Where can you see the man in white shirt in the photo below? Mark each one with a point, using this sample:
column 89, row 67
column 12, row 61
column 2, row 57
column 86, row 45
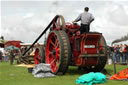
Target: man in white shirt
column 86, row 18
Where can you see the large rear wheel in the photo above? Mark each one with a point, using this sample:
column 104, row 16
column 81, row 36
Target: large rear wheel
column 101, row 60
column 58, row 51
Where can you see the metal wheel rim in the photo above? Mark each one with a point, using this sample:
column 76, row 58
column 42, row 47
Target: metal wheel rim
column 53, row 47
column 38, row 56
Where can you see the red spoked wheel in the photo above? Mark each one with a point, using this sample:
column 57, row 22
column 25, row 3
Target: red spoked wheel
column 39, row 56
column 59, row 23
column 58, row 51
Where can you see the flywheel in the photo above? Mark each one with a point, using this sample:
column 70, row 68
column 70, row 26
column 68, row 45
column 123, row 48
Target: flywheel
column 59, row 23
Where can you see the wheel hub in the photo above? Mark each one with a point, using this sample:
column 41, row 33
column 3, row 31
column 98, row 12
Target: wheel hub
column 54, row 52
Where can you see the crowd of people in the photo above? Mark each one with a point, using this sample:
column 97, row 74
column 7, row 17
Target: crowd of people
column 7, row 55
column 119, row 54
column 4, row 55
column 12, row 53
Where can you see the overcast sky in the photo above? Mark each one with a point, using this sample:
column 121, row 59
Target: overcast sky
column 25, row 20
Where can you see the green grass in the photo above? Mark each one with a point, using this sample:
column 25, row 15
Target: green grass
column 13, row 75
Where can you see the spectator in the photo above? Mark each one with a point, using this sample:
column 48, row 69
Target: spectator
column 1, row 56
column 124, row 55
column 117, row 54
column 121, row 51
column 6, row 55
column 12, row 55
column 114, row 53
column 110, row 49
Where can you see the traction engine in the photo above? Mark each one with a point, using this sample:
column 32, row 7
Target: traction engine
column 65, row 46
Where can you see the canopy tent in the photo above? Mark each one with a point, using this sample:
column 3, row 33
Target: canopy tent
column 9, row 47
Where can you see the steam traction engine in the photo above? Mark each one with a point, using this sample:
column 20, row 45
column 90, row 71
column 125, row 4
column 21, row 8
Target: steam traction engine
column 65, row 46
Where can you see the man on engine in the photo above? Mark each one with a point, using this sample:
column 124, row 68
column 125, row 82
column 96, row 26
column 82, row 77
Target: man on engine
column 86, row 18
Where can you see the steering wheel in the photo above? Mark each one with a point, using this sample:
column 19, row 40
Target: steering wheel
column 75, row 23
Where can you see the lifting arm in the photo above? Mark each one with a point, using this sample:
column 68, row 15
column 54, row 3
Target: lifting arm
column 41, row 34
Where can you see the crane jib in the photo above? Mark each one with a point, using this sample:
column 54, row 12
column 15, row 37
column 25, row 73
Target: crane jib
column 41, row 35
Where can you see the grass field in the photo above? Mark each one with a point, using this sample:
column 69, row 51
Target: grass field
column 14, row 75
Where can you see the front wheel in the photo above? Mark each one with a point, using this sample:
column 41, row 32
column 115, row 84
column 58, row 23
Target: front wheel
column 58, row 51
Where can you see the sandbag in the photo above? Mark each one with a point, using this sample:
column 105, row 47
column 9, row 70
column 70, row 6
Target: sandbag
column 42, row 71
